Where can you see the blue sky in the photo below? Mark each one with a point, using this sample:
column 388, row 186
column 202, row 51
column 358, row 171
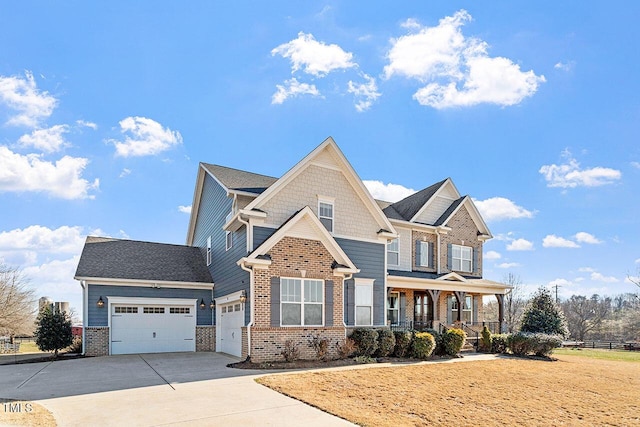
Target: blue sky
column 532, row 109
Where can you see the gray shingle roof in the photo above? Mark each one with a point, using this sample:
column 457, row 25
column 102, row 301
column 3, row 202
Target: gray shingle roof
column 235, row 179
column 408, row 207
column 130, row 259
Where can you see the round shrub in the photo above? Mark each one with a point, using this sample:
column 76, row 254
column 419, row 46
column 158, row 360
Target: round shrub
column 453, row 340
column 521, row 343
column 499, row 343
column 423, row 345
column 366, row 341
column 386, row 343
column 403, row 343
column 545, row 343
column 439, row 350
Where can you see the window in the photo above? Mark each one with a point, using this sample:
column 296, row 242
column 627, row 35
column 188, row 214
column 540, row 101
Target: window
column 422, row 257
column 229, row 240
column 364, row 303
column 302, row 302
column 209, row 250
column 179, row 310
column 393, row 254
column 461, row 258
column 153, row 310
column 129, row 310
column 393, row 308
column 325, row 214
column 467, row 310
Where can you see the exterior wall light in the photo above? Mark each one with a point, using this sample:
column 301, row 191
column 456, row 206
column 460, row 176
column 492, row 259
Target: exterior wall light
column 100, row 303
column 212, row 305
column 243, row 296
column 202, row 304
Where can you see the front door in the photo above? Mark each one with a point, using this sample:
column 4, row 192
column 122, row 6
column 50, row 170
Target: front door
column 421, row 315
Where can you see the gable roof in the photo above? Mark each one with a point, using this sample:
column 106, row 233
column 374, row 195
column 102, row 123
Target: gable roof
column 239, row 180
column 107, row 258
column 304, row 224
column 473, row 212
column 450, row 210
column 409, row 207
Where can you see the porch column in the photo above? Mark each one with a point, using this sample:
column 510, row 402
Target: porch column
column 460, row 296
column 500, row 298
column 435, row 297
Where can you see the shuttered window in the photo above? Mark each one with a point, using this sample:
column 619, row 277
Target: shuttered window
column 393, row 254
column 301, row 302
column 461, row 258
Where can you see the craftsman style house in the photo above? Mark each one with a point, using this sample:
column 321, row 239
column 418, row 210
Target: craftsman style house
column 269, row 260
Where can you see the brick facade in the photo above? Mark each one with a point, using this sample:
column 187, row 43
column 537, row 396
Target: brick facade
column 464, row 232
column 294, row 257
column 417, row 236
column 96, row 341
column 205, row 338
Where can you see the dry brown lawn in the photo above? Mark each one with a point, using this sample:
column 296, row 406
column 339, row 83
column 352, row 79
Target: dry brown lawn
column 571, row 391
column 20, row 413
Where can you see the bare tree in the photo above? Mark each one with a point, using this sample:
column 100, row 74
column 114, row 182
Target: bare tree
column 17, row 302
column 585, row 315
column 514, row 302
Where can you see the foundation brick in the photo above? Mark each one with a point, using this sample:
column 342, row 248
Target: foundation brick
column 96, row 341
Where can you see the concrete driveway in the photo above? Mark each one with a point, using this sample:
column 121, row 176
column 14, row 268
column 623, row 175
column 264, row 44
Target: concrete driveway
column 155, row 389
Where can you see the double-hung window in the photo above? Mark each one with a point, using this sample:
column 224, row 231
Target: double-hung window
column 364, row 302
column 209, row 250
column 393, row 252
column 422, row 257
column 461, row 258
column 301, row 302
column 229, row 240
column 325, row 214
column 393, row 308
column 467, row 309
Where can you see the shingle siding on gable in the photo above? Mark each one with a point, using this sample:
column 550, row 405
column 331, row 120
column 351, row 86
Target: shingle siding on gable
column 435, row 209
column 212, row 212
column 404, row 245
column 99, row 316
column 352, row 218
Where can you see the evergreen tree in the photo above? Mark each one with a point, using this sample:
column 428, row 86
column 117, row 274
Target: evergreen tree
column 53, row 331
column 542, row 315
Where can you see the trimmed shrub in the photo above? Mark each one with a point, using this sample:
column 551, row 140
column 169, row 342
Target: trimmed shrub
column 545, row 343
column 423, row 345
column 499, row 343
column 520, row 343
column 76, row 346
column 345, row 348
column 320, row 346
column 453, row 340
column 386, row 343
column 290, row 352
column 403, row 343
column 437, row 336
column 366, row 341
column 485, row 342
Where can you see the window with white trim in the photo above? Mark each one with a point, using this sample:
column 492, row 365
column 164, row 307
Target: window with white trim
column 467, row 309
column 393, row 252
column 423, row 256
column 209, row 250
column 325, row 214
column 393, row 308
column 364, row 303
column 229, row 240
column 461, row 258
column 301, row 302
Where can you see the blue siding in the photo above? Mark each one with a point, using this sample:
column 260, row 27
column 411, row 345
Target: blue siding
column 260, row 234
column 369, row 258
column 100, row 316
column 212, row 212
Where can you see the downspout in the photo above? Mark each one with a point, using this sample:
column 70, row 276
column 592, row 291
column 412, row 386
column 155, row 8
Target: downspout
column 85, row 315
column 249, row 233
column 344, row 279
column 438, row 251
column 250, row 271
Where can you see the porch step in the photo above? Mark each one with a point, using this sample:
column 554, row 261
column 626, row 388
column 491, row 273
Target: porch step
column 468, row 348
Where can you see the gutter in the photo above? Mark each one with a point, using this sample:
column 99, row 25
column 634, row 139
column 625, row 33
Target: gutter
column 252, row 303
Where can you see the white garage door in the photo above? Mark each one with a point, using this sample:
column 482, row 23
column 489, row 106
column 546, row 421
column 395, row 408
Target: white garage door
column 231, row 322
column 152, row 328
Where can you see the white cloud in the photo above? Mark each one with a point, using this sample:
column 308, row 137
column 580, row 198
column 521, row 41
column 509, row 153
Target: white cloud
column 145, row 137
column 457, row 71
column 411, row 24
column 83, row 123
column 599, row 277
column 23, row 97
column 55, row 279
column 565, row 66
column 570, row 175
column 586, row 270
column 63, row 239
column 635, row 165
column 499, row 208
column 125, row 172
column 508, row 265
column 365, row 93
column 638, row 261
column 583, row 237
column 185, row 209
column 492, row 255
column 292, row 88
column 314, row 57
column 48, row 140
column 553, row 241
column 387, row 192
column 61, row 179
column 520, row 245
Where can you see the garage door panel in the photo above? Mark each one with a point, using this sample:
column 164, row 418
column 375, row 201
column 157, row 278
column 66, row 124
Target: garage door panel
column 231, row 323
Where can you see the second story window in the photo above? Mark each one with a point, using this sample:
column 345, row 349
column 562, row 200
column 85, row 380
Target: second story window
column 461, row 258
column 422, row 255
column 325, row 214
column 209, row 250
column 229, row 240
column 393, row 252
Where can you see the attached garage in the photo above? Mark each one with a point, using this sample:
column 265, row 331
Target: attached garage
column 142, row 325
column 230, row 322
